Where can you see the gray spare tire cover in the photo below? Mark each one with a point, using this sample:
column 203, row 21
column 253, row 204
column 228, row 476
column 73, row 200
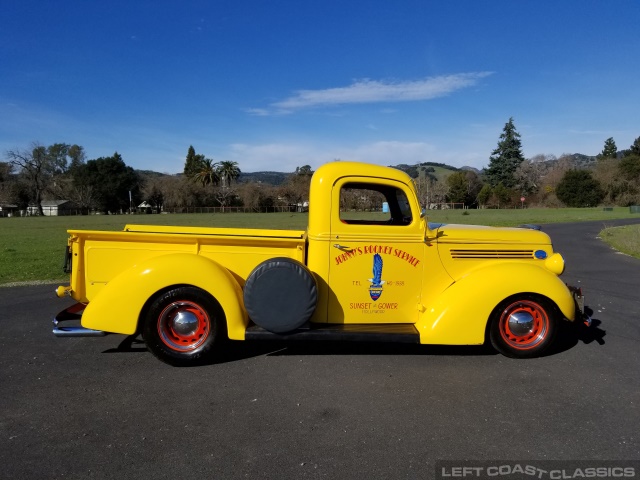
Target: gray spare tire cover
column 280, row 295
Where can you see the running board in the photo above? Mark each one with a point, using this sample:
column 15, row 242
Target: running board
column 73, row 313
column 389, row 332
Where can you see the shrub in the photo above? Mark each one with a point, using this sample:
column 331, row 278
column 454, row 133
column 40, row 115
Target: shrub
column 579, row 189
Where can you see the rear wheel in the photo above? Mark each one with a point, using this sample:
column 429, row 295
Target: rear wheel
column 182, row 325
column 523, row 327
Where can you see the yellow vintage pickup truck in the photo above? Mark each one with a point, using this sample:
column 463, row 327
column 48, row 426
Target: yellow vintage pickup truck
column 352, row 275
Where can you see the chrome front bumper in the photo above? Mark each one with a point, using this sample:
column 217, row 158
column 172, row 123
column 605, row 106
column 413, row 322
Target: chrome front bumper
column 578, row 297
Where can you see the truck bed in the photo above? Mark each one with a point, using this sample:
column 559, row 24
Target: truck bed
column 98, row 256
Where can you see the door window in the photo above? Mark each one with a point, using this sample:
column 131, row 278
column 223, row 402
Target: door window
column 372, row 204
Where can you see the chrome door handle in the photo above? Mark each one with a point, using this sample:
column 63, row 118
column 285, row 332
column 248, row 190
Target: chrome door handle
column 342, row 247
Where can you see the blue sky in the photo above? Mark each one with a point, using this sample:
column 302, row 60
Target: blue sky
column 277, row 84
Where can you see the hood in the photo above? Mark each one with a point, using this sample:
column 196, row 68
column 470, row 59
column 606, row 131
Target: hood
column 464, row 248
column 482, row 235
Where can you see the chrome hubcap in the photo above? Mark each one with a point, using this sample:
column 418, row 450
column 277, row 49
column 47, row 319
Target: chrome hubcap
column 185, row 323
column 183, row 326
column 520, row 323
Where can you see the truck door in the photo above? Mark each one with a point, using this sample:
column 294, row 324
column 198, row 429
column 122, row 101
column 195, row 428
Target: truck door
column 376, row 253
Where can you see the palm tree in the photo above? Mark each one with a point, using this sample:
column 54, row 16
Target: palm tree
column 228, row 171
column 208, row 173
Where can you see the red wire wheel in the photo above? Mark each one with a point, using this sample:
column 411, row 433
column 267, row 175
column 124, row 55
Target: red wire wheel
column 523, row 328
column 183, row 326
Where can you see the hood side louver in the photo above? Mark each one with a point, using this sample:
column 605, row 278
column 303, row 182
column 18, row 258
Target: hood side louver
column 494, row 253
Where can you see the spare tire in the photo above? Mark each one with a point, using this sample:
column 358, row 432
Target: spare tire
column 280, row 295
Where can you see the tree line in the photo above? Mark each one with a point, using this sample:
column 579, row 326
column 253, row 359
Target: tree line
column 61, row 171
column 106, row 184
column 545, row 180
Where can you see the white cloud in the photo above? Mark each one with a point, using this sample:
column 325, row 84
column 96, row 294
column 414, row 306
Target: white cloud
column 277, row 157
column 393, row 153
column 375, row 91
column 257, row 112
column 601, row 133
column 285, row 157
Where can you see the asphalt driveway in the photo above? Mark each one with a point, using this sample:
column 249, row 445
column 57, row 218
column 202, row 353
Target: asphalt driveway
column 106, row 408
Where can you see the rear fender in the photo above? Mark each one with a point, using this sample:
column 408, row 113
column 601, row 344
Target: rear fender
column 117, row 307
column 459, row 315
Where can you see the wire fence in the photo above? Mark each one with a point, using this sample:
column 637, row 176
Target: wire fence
column 57, row 211
column 447, row 206
column 281, row 209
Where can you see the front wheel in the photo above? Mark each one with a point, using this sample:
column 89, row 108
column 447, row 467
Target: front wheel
column 182, row 325
column 523, row 327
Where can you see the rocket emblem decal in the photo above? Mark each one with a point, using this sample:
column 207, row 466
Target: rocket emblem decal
column 375, row 290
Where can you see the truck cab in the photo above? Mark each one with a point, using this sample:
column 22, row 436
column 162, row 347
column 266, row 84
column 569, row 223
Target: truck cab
column 372, row 265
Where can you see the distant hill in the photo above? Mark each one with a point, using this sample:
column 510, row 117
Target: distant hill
column 574, row 160
column 435, row 170
column 581, row 161
column 428, row 167
column 150, row 173
column 270, row 178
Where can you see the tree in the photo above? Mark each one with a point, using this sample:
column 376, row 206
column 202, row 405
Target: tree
column 438, row 192
column 112, row 182
column 84, row 196
column 228, row 172
column 634, row 149
column 152, row 192
column 578, row 188
column 76, row 155
column 225, row 196
column 484, row 195
column 257, row 196
column 40, row 165
column 502, row 194
column 506, row 158
column 207, row 173
column 304, row 170
column 425, row 183
column 193, row 163
column 19, row 193
column 528, row 176
column 58, row 155
column 622, row 177
column 36, row 167
column 178, row 191
column 457, row 183
column 629, row 168
column 464, row 187
column 5, row 184
column 297, row 185
column 610, row 150
column 5, row 171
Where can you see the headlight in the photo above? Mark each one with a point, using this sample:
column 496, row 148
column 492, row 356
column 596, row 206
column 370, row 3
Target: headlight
column 555, row 263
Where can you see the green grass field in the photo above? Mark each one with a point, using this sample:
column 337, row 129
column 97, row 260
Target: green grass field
column 625, row 239
column 32, row 248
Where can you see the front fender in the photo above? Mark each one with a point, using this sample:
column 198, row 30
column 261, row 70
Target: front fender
column 117, row 307
column 459, row 315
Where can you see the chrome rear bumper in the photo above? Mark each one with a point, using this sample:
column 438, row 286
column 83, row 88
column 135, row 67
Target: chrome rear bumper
column 73, row 313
